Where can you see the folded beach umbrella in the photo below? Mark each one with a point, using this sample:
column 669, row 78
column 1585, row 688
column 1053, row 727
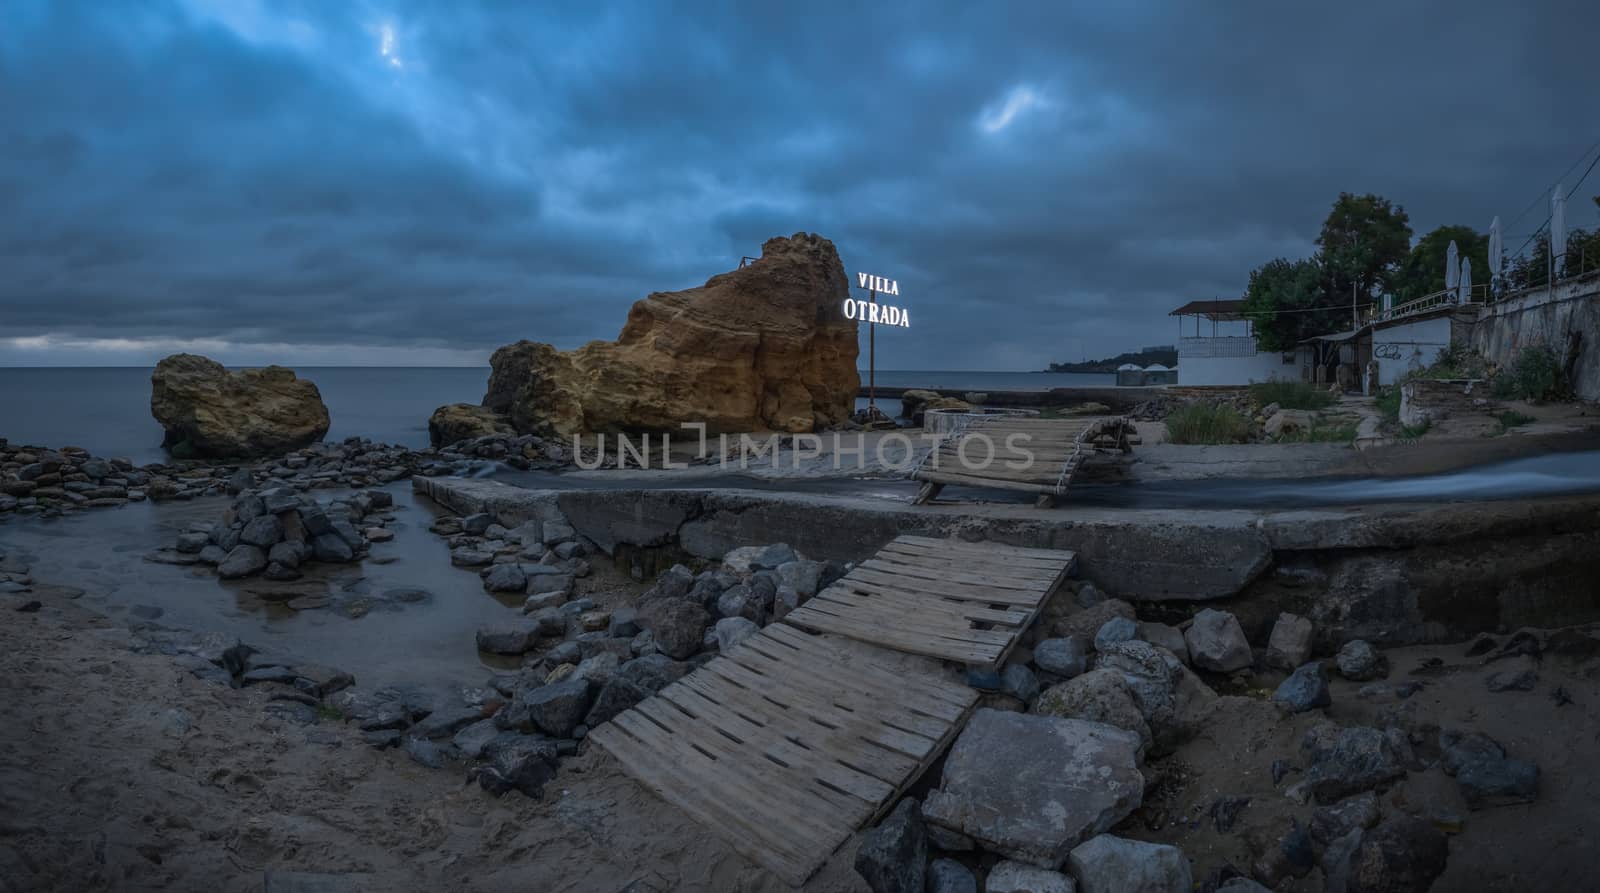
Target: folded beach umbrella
column 1558, row 229
column 1496, row 248
column 1452, row 266
column 1465, row 294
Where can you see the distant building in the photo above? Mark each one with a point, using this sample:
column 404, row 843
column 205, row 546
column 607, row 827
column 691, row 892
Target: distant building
column 1225, row 351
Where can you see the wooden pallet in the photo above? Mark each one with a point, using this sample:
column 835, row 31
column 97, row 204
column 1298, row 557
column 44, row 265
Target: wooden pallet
column 788, row 743
column 954, row 600
column 1058, row 447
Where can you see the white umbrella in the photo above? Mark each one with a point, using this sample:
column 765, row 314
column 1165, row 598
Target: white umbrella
column 1465, row 295
column 1558, row 229
column 1452, row 266
column 1495, row 249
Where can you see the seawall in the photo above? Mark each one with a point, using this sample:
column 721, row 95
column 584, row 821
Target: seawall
column 1552, row 317
column 1401, row 573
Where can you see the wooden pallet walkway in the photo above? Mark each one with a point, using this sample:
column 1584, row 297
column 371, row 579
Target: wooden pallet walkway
column 1058, row 447
column 788, row 743
column 944, row 598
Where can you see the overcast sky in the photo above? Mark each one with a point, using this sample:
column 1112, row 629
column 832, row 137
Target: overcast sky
column 397, row 183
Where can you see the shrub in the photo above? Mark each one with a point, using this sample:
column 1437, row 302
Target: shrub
column 1322, row 432
column 1535, row 375
column 1199, row 423
column 1290, row 394
column 1388, row 403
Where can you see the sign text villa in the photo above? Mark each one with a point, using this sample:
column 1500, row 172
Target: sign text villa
column 873, row 312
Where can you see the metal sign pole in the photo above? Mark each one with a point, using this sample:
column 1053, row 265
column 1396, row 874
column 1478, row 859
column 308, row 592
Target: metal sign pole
column 872, row 362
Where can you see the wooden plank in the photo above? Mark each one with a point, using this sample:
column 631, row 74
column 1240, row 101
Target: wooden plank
column 991, row 595
column 929, row 694
column 910, row 643
column 993, row 580
column 908, row 618
column 962, row 480
column 972, row 612
column 987, row 548
column 935, row 553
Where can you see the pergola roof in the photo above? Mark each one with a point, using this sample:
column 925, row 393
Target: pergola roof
column 1215, row 310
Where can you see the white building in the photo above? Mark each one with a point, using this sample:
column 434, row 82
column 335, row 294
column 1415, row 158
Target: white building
column 1224, row 352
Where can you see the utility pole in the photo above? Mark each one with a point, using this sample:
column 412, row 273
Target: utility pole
column 872, row 361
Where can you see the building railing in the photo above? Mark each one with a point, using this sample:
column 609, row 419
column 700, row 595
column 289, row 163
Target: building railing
column 1476, row 294
column 1228, row 346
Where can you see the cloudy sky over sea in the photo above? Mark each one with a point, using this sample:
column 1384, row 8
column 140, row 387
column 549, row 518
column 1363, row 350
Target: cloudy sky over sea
column 399, row 183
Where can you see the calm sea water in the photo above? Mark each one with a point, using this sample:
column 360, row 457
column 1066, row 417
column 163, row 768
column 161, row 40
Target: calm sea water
column 107, row 410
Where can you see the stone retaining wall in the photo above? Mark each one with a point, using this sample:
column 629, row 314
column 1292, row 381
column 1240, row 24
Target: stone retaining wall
column 1548, row 317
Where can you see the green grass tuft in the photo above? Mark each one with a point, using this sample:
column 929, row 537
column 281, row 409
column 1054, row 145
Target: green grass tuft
column 1513, row 419
column 1201, row 424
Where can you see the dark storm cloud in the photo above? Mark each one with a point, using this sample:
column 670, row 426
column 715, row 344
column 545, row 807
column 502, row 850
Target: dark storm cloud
column 1044, row 182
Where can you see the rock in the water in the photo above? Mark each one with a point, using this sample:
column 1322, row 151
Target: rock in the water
column 1065, row 657
column 893, row 856
column 1015, row 877
column 1347, row 761
column 702, row 355
column 1402, row 854
column 515, row 637
column 1109, row 864
column 505, row 578
column 455, row 422
column 1486, row 776
column 1097, row 696
column 1360, row 662
column 1305, row 689
column 1032, row 787
column 733, row 630
column 950, row 876
column 678, row 625
column 1289, row 646
column 242, row 561
column 1217, row 643
column 207, row 410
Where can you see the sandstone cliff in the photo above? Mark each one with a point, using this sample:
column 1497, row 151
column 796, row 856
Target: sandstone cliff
column 765, row 347
column 208, row 411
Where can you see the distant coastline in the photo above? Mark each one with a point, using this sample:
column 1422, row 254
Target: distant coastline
column 1165, row 355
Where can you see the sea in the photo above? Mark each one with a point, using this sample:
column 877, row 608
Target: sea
column 106, row 410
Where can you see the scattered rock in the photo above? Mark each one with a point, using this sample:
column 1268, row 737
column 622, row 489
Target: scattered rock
column 1483, row 772
column 1358, row 661
column 1015, row 877
column 1217, row 643
column 1399, row 855
column 893, row 856
column 1512, row 680
column 678, row 626
column 1305, row 689
column 1115, row 630
column 1165, row 636
column 950, row 876
column 505, row 578
column 1345, row 761
column 733, row 630
column 512, row 637
column 242, row 561
column 1032, row 787
column 1289, row 646
column 1065, row 657
column 1099, row 696
column 1108, row 864
column 1329, row 823
column 1085, row 623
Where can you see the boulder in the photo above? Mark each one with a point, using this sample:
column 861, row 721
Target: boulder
column 505, row 578
column 516, row 637
column 207, row 410
column 1032, row 787
column 1289, row 646
column 763, row 347
column 1165, row 636
column 524, row 764
column 893, row 856
column 1109, row 864
column 1114, row 631
column 555, row 709
column 1217, row 643
column 950, row 876
column 1285, row 421
column 455, row 422
column 1172, row 699
column 1015, row 877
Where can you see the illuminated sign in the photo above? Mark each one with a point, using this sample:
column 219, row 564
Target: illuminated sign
column 877, row 314
column 877, row 284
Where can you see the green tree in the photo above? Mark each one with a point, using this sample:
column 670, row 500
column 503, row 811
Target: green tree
column 1422, row 272
column 1288, row 300
column 1364, row 241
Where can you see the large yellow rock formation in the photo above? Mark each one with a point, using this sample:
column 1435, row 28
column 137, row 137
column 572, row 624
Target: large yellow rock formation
column 762, row 348
column 207, row 410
